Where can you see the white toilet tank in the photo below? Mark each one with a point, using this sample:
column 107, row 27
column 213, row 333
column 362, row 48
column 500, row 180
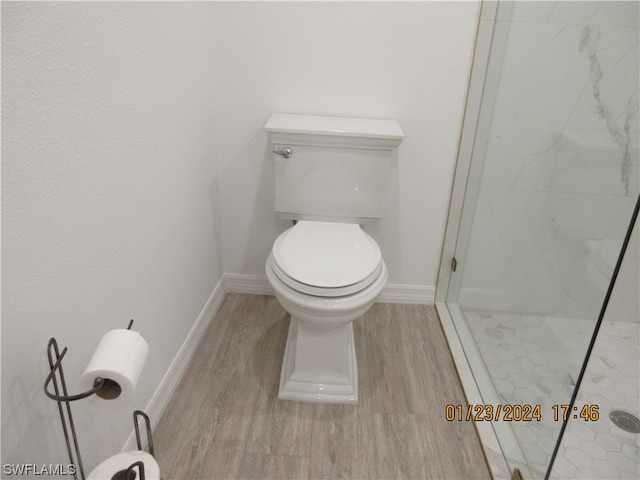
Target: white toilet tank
column 331, row 168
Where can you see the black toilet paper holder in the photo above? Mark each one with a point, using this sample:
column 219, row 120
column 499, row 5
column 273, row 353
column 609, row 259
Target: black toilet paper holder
column 61, row 396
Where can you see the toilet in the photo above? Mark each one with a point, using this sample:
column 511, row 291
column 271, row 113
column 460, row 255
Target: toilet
column 331, row 176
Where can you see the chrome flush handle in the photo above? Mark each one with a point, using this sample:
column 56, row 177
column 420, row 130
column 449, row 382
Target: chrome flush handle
column 285, row 152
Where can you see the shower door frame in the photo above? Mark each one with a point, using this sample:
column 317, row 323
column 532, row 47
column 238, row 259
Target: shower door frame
column 463, row 349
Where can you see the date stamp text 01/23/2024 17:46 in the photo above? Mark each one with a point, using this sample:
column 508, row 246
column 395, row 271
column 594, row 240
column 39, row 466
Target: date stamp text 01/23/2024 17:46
column 518, row 413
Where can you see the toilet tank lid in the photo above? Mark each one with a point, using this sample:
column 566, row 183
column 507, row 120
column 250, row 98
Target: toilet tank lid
column 335, row 126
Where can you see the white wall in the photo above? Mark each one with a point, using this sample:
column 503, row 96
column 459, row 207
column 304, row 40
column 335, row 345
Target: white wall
column 109, row 201
column 136, row 170
column 406, row 61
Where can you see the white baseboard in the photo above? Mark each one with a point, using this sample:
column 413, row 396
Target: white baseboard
column 414, row 294
column 156, row 406
column 392, row 293
column 250, row 284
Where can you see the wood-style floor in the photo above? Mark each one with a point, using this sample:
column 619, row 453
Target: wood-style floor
column 226, row 422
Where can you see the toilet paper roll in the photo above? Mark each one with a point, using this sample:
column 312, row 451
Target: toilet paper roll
column 118, row 359
column 115, row 467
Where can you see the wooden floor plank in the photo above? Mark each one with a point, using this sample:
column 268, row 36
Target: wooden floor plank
column 225, row 420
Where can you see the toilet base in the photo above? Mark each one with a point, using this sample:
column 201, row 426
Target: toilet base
column 319, row 364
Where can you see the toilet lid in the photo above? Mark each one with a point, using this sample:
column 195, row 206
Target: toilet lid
column 327, row 255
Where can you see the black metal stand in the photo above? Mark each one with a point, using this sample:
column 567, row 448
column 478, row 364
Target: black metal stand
column 64, row 404
column 147, row 422
column 62, row 397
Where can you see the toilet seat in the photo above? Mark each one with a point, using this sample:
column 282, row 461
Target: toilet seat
column 326, row 259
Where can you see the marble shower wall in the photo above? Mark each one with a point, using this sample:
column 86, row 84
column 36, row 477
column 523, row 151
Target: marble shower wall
column 556, row 158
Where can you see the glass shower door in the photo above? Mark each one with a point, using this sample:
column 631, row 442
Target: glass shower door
column 552, row 184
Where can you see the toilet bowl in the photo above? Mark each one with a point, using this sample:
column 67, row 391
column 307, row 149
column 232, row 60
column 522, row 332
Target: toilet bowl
column 326, row 275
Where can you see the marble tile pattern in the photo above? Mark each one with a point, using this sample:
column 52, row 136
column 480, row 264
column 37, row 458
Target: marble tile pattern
column 600, row 449
column 536, row 361
column 557, row 156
